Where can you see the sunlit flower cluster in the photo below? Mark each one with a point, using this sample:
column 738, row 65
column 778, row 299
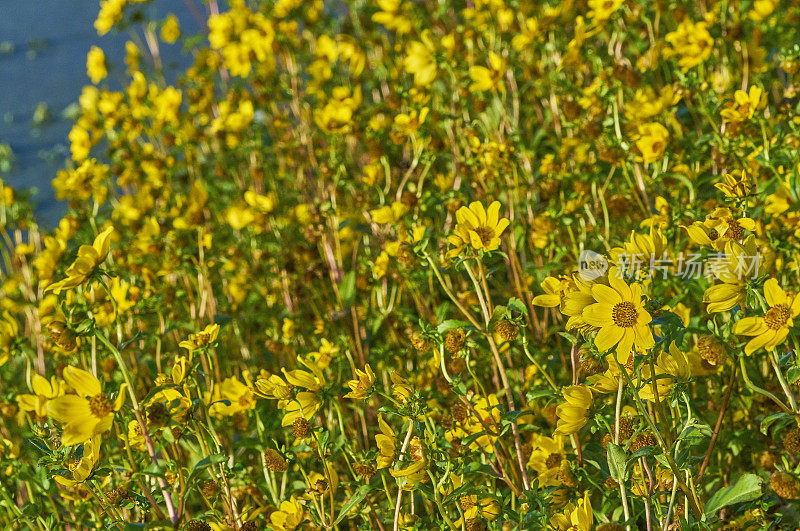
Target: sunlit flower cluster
column 414, row 265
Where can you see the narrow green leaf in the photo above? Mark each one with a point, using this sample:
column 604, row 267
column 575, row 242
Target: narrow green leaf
column 347, row 289
column 360, row 493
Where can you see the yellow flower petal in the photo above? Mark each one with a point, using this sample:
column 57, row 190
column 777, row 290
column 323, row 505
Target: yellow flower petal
column 83, row 382
column 773, row 293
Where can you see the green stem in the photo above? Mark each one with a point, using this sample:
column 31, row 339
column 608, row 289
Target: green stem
column 759, row 390
column 173, row 515
column 438, row 500
column 691, row 497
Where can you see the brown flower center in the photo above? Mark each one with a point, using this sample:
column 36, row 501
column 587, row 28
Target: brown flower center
column 246, row 400
column 624, row 314
column 466, row 503
column 777, row 316
column 735, row 231
column 100, row 405
column 553, row 460
column 484, row 234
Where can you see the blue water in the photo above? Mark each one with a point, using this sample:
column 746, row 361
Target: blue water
column 48, row 42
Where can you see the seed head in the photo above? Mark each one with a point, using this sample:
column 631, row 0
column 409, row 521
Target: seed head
column 365, row 470
column 791, row 441
column 198, row 525
column 209, row 488
column 274, row 461
column 506, row 330
column 301, row 428
column 641, row 441
column 454, row 340
column 784, row 485
column 711, row 350
column 420, row 343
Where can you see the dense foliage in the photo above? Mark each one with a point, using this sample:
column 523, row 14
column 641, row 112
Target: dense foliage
column 422, row 265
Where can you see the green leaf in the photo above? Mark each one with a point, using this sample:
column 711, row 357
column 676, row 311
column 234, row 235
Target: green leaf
column 360, row 493
column 569, row 337
column 347, row 289
column 517, row 305
column 695, row 431
column 207, row 461
column 767, row 422
column 40, row 446
column 746, row 488
column 647, row 450
column 153, row 470
column 498, row 314
column 450, row 324
column 617, row 461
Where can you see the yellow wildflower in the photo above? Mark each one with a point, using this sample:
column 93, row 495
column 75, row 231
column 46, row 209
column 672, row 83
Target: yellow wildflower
column 771, row 330
column 573, row 413
column 362, row 384
column 290, row 515
column 89, row 258
column 485, row 79
column 43, row 392
column 88, row 412
column 170, row 29
column 96, row 65
column 620, row 316
column 201, row 339
column 652, row 142
column 478, row 227
column 82, row 467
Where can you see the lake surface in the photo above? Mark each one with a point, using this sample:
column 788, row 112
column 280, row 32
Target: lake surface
column 43, row 46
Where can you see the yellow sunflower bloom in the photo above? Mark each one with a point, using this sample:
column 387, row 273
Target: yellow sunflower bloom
column 739, row 263
column 88, row 412
column 546, row 457
column 576, row 300
column 735, row 185
column 362, row 384
column 82, row 468
column 575, row 516
column 290, row 515
column 652, row 142
column 387, row 442
column 304, row 405
column 43, row 392
column 485, row 79
column 240, row 397
column 555, row 289
column 669, row 369
column 744, row 105
column 573, row 413
column 771, row 330
column 620, row 316
column 89, row 258
column 719, row 228
column 601, row 10
column 414, row 471
column 481, row 228
column 201, row 339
